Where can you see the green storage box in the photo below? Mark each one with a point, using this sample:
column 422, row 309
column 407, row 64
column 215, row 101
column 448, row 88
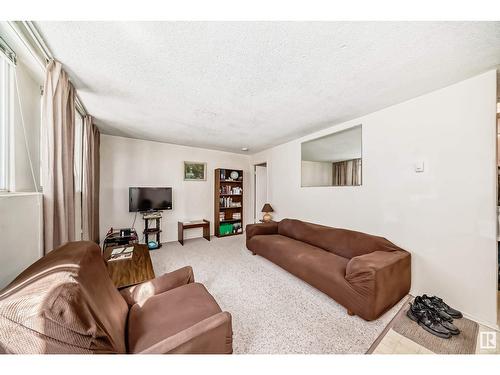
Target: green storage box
column 225, row 228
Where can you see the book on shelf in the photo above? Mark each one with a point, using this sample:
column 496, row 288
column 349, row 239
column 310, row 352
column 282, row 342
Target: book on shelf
column 227, row 202
column 228, row 190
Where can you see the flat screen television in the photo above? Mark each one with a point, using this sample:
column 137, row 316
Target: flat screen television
column 149, row 199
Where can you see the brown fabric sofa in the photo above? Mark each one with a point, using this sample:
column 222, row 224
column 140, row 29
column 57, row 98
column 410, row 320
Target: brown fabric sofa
column 364, row 273
column 66, row 303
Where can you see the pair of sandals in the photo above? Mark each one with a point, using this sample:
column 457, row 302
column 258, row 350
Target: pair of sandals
column 434, row 315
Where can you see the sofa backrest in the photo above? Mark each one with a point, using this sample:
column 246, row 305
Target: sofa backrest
column 64, row 303
column 343, row 242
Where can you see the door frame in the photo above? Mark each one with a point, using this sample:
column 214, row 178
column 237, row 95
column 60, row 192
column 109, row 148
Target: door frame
column 264, row 164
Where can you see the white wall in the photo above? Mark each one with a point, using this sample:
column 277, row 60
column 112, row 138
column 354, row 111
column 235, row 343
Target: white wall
column 445, row 216
column 21, row 229
column 129, row 162
column 316, row 173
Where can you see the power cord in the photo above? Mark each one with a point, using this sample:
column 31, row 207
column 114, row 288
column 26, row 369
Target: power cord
column 133, row 224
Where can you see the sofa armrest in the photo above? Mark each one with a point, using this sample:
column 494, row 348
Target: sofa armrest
column 141, row 292
column 262, row 228
column 384, row 277
column 212, row 335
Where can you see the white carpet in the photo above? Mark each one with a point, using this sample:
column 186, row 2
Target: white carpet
column 272, row 310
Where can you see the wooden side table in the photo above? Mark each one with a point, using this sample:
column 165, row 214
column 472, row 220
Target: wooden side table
column 128, row 272
column 205, row 224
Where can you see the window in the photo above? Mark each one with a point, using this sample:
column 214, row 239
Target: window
column 5, row 102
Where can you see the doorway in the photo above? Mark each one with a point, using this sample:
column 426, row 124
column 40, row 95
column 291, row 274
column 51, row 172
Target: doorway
column 260, row 191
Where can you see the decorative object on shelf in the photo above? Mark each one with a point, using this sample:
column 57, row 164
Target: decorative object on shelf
column 195, row 171
column 267, row 216
column 234, row 175
column 152, row 245
column 237, row 228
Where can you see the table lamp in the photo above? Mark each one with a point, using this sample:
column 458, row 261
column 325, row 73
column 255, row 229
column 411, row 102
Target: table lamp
column 267, row 216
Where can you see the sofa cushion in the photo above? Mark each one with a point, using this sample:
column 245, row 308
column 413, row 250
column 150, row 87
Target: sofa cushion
column 63, row 303
column 310, row 263
column 343, row 242
column 168, row 313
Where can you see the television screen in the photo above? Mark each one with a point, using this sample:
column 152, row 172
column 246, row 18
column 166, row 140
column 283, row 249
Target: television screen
column 149, row 198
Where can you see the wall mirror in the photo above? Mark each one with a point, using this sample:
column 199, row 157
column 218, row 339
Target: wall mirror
column 332, row 160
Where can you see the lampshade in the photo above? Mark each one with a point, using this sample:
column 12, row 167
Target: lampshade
column 267, row 208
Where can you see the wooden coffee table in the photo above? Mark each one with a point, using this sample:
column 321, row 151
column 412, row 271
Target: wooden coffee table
column 128, row 272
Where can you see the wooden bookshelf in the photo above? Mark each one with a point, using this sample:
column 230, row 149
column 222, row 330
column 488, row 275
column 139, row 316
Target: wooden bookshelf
column 228, row 201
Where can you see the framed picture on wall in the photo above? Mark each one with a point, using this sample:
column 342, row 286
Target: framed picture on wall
column 195, row 171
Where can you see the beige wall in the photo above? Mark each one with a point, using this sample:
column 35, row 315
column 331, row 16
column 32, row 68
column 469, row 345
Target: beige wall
column 129, row 162
column 446, row 216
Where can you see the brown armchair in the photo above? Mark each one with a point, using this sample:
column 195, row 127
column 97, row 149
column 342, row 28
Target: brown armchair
column 66, row 303
column 141, row 292
column 205, row 328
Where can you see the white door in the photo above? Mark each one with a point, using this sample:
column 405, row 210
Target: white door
column 260, row 190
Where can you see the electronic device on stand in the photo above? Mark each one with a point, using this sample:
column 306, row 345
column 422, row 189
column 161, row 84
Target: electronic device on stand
column 152, row 227
column 125, row 236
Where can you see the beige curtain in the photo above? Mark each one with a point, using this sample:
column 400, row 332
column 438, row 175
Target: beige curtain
column 339, row 173
column 90, row 186
column 58, row 128
column 356, row 172
column 347, row 172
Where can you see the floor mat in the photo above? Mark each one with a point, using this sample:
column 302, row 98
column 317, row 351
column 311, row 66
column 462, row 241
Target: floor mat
column 463, row 343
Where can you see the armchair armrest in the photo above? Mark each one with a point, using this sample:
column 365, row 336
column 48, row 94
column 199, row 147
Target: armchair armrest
column 212, row 335
column 141, row 292
column 263, row 228
column 384, row 277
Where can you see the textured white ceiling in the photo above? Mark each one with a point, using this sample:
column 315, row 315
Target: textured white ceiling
column 343, row 145
column 227, row 85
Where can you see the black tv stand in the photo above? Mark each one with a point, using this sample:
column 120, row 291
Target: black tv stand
column 152, row 230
